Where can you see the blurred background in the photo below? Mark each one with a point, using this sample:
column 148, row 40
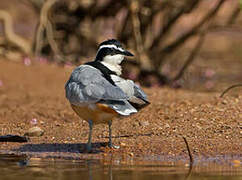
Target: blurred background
column 190, row 44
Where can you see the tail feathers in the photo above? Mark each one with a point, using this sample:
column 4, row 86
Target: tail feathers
column 122, row 107
column 139, row 106
column 138, row 102
column 140, row 94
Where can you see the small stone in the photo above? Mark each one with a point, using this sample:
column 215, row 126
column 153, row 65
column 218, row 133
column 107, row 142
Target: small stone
column 144, row 123
column 34, row 131
column 167, row 125
column 122, row 144
column 224, row 102
column 57, row 124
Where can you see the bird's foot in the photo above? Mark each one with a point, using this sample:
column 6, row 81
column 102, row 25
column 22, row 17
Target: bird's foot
column 113, row 146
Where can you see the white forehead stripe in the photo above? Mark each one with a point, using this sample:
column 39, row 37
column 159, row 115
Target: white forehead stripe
column 111, row 46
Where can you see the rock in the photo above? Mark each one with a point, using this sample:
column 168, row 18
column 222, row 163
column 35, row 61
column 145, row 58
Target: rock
column 34, row 131
column 122, row 144
column 13, row 138
column 167, row 125
column 144, row 123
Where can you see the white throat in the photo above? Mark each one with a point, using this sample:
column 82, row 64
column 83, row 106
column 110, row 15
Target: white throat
column 113, row 63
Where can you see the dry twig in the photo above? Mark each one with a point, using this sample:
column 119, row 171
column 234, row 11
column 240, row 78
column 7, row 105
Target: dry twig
column 142, row 56
column 229, row 88
column 45, row 25
column 11, row 36
column 191, row 57
column 189, row 151
column 182, row 39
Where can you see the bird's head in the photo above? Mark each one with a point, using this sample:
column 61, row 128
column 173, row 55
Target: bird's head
column 111, row 52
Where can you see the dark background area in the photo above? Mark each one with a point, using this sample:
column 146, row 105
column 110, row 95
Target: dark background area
column 193, row 44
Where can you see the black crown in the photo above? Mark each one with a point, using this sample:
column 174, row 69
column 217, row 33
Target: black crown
column 111, row 41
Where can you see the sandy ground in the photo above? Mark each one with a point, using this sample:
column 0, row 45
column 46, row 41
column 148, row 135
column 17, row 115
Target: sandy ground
column 212, row 125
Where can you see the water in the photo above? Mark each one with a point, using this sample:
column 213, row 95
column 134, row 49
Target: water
column 23, row 167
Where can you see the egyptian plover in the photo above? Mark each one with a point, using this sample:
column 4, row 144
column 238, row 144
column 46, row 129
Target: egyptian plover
column 97, row 93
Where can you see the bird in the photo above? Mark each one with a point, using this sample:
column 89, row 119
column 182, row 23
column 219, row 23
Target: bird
column 97, row 93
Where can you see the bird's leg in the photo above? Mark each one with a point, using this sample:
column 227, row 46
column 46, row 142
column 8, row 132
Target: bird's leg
column 110, row 136
column 89, row 143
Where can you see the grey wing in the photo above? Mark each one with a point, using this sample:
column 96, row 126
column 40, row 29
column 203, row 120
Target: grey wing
column 87, row 84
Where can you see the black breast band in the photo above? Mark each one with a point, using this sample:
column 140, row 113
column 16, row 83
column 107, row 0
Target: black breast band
column 105, row 71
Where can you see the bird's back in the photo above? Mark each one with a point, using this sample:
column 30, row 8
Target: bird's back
column 90, row 92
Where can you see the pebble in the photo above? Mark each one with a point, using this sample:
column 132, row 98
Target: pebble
column 224, row 102
column 167, row 125
column 34, row 131
column 122, row 144
column 144, row 123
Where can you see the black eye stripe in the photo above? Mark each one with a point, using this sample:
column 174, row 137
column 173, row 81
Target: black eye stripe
column 107, row 51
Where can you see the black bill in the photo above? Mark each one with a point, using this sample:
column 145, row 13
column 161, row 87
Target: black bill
column 127, row 53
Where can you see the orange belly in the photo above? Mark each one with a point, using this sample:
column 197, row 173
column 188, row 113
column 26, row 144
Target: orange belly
column 98, row 113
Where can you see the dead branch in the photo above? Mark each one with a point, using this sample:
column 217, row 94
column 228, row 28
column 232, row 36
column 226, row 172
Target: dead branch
column 234, row 16
column 189, row 151
column 45, row 26
column 107, row 10
column 194, row 52
column 142, row 56
column 11, row 36
column 173, row 19
column 119, row 28
column 229, row 88
column 191, row 57
column 182, row 39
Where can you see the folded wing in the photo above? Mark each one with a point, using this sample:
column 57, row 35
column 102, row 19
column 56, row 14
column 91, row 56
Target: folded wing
column 136, row 96
column 87, row 85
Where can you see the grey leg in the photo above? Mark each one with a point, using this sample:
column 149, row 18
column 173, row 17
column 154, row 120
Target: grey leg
column 110, row 144
column 89, row 143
